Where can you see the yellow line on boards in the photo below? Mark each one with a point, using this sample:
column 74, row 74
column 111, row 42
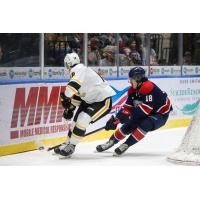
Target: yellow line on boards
column 100, row 135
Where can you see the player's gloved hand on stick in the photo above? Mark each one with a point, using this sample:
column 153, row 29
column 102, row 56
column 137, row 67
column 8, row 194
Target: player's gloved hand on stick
column 66, row 102
column 68, row 114
column 112, row 123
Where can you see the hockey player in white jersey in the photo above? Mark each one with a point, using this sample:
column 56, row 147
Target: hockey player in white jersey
column 90, row 93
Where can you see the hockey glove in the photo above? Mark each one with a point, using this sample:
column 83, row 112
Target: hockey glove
column 123, row 115
column 112, row 123
column 68, row 114
column 66, row 102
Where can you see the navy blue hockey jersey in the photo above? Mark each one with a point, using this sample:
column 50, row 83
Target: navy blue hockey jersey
column 148, row 100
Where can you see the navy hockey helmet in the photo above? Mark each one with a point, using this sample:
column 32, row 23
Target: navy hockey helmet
column 137, row 74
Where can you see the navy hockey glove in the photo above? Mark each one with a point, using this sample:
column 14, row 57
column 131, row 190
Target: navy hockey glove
column 111, row 124
column 68, row 114
column 123, row 115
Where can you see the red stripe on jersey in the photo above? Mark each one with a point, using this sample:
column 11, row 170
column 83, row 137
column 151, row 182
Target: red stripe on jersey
column 119, row 135
column 166, row 108
column 138, row 134
column 145, row 108
column 127, row 106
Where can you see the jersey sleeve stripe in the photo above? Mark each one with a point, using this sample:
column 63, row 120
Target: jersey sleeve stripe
column 75, row 85
column 145, row 108
column 73, row 90
column 138, row 134
column 127, row 105
column 165, row 108
column 76, row 80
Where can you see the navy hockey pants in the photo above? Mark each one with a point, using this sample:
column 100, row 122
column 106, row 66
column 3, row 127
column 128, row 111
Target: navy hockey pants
column 137, row 131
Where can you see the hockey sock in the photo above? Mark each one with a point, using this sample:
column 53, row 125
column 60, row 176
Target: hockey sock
column 117, row 136
column 135, row 137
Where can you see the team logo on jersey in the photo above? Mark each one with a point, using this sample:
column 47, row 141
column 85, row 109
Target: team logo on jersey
column 72, row 74
column 136, row 103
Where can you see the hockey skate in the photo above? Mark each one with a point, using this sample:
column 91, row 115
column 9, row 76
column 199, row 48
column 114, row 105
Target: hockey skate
column 57, row 149
column 107, row 145
column 67, row 151
column 121, row 149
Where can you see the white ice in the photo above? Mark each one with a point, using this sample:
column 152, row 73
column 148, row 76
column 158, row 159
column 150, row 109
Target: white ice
column 151, row 151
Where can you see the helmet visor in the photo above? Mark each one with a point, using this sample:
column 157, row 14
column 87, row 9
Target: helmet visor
column 137, row 77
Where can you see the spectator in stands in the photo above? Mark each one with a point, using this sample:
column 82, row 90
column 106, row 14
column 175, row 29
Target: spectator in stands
column 97, row 44
column 93, row 52
column 111, row 38
column 125, row 57
column 135, row 55
column 57, row 45
column 153, row 55
column 108, row 56
column 106, row 39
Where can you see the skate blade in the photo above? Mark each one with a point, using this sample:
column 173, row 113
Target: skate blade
column 64, row 157
column 116, row 155
column 55, row 154
column 95, row 151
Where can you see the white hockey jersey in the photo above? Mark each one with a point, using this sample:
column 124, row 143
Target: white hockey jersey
column 87, row 84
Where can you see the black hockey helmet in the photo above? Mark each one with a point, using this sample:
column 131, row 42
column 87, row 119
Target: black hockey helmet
column 137, row 74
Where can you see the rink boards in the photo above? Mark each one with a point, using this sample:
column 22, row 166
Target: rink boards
column 31, row 112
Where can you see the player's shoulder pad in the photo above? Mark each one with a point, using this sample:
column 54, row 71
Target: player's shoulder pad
column 146, row 87
column 131, row 91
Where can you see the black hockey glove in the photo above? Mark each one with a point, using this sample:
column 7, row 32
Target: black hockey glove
column 68, row 114
column 111, row 124
column 66, row 102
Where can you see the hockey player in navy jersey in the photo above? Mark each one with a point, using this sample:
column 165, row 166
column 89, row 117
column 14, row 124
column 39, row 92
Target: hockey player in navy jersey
column 146, row 109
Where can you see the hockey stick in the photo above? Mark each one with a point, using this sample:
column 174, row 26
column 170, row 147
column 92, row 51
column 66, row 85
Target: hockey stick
column 99, row 129
column 51, row 148
column 42, row 147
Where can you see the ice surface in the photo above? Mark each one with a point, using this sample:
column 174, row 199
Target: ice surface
column 152, row 150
